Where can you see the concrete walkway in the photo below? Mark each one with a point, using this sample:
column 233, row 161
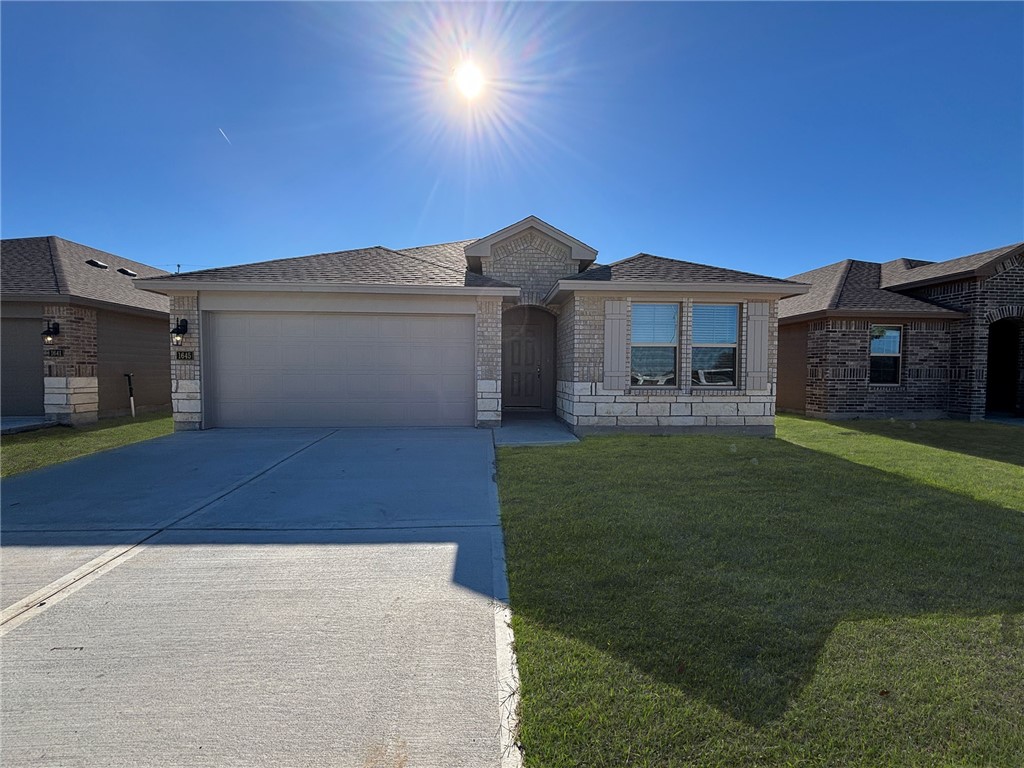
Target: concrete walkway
column 258, row 597
column 10, row 425
column 532, row 429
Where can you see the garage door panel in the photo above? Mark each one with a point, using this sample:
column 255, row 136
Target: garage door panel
column 295, row 369
column 392, row 385
column 328, row 383
column 268, row 356
column 21, row 366
column 297, row 356
column 456, row 412
column 394, row 357
column 422, row 357
column 457, row 358
column 294, row 385
column 361, row 357
column 296, row 326
column 235, row 326
column 397, row 328
column 265, row 327
column 234, row 355
column 458, row 386
column 266, row 385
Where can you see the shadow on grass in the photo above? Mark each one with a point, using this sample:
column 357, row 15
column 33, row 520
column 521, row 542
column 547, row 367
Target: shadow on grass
column 998, row 442
column 721, row 566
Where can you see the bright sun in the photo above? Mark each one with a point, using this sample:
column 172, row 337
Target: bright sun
column 468, row 79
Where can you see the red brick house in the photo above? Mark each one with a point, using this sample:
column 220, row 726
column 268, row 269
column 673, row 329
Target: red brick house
column 906, row 338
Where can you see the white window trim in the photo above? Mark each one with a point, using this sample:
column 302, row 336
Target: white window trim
column 674, row 345
column 899, row 355
column 735, row 345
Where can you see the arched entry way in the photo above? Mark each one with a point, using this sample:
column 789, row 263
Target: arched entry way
column 1003, row 389
column 527, row 359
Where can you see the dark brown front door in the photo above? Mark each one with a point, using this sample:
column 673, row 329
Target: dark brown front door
column 522, row 373
column 528, row 364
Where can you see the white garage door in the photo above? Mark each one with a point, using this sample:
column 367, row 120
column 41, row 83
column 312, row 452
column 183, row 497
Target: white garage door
column 339, row 370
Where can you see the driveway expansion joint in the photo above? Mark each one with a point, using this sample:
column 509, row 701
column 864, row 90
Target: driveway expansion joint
column 17, row 614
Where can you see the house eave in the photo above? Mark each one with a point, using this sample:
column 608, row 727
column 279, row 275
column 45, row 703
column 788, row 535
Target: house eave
column 564, row 287
column 967, row 274
column 63, row 298
column 174, row 287
column 938, row 314
column 988, row 269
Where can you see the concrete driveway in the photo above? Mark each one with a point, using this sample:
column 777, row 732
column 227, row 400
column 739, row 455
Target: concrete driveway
column 258, row 597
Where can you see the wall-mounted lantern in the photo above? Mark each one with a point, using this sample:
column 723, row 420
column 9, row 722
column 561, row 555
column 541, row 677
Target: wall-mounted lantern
column 178, row 332
column 52, row 329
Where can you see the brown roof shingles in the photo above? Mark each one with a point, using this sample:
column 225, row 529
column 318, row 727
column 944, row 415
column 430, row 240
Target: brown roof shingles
column 852, row 286
column 36, row 267
column 908, row 272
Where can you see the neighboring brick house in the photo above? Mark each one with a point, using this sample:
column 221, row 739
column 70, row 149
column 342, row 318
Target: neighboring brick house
column 461, row 333
column 105, row 329
column 906, row 338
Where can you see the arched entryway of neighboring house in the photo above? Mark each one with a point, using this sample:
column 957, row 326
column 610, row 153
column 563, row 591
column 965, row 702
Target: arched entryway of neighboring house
column 527, row 359
column 1004, row 391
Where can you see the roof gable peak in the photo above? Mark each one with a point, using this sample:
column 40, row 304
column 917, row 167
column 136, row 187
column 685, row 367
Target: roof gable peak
column 578, row 250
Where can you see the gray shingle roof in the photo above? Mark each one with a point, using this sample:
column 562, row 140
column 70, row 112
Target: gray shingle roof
column 852, row 286
column 448, row 254
column 907, row 272
column 646, row 268
column 52, row 266
column 376, row 265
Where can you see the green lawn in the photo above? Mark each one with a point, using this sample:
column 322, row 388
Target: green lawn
column 31, row 450
column 846, row 595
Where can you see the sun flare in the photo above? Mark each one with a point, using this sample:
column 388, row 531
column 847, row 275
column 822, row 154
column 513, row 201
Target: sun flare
column 469, row 79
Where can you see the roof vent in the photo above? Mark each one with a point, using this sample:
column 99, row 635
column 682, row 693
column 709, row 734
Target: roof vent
column 128, row 272
column 97, row 264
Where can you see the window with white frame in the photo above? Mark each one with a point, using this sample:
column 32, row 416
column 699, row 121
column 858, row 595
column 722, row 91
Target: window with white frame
column 886, row 354
column 654, row 346
column 715, row 340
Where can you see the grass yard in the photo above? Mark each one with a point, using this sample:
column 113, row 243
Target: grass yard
column 32, row 450
column 848, row 594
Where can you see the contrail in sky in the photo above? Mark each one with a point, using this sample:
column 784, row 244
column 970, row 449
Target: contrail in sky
column 224, row 135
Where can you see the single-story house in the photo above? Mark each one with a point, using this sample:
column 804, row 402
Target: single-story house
column 460, row 333
column 906, row 338
column 99, row 328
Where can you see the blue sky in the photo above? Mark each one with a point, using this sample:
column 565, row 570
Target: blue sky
column 767, row 137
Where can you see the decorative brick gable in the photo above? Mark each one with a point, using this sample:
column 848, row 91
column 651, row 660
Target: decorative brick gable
column 531, row 260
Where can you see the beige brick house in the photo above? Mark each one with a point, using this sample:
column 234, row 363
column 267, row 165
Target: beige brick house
column 104, row 328
column 461, row 333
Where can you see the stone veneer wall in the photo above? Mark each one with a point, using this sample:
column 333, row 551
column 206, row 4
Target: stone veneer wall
column 186, row 383
column 587, row 406
column 70, row 386
column 839, row 366
column 983, row 300
column 488, row 361
column 531, row 260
